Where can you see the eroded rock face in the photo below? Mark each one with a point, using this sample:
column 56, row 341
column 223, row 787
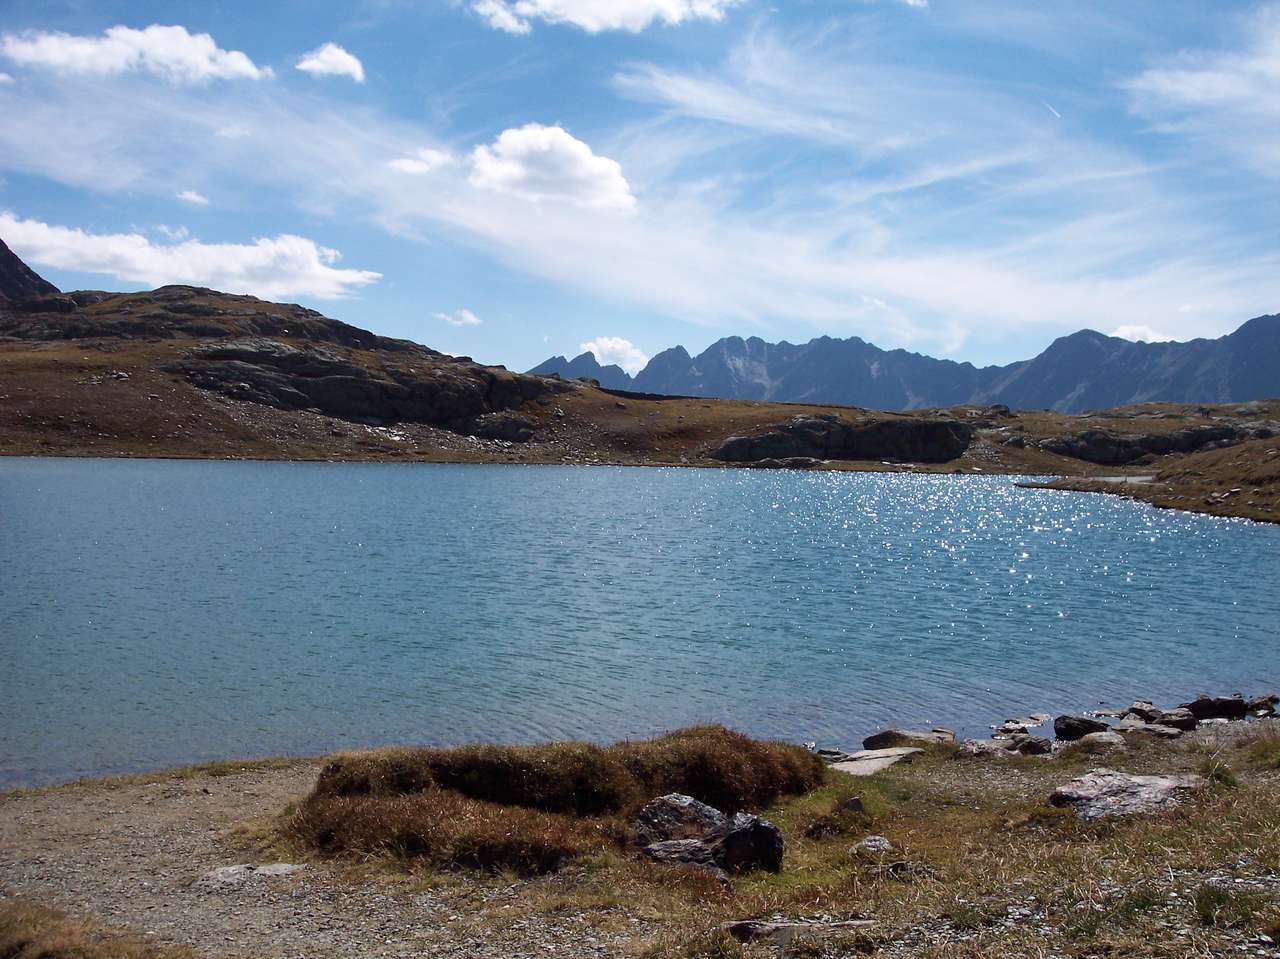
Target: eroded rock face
column 457, row 395
column 1217, row 707
column 1115, row 449
column 1105, row 792
column 827, row 437
column 1071, row 728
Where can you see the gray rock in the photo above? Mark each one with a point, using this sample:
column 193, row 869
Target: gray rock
column 1143, row 709
column 691, row 852
column 894, row 738
column 674, row 817
column 872, row 847
column 749, row 842
column 1107, row 740
column 226, row 878
column 1263, row 706
column 999, row 748
column 1030, row 745
column 1071, row 728
column 1136, row 727
column 1179, row 718
column 869, row 761
column 827, row 437
column 1105, row 792
column 1217, row 707
column 781, row 934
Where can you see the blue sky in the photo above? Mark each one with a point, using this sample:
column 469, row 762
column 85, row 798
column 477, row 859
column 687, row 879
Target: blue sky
column 508, row 179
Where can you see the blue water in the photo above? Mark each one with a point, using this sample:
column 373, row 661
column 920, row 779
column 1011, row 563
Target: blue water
column 155, row 612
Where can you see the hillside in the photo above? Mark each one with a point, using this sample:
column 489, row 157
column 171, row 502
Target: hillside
column 189, row 372
column 1086, row 370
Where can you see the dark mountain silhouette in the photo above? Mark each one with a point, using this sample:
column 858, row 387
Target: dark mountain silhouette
column 585, row 366
column 1086, row 370
column 18, row 281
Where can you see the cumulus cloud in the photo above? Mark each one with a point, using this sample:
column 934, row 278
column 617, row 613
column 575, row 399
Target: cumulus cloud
column 194, row 198
column 1141, row 334
column 538, row 162
column 422, row 162
column 611, row 350
column 5, row 78
column 330, row 60
column 517, row 16
column 168, row 52
column 459, row 318
column 272, row 267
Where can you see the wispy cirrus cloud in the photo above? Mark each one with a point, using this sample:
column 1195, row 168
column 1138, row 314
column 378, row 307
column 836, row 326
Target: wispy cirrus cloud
column 459, row 318
column 169, row 52
column 268, row 267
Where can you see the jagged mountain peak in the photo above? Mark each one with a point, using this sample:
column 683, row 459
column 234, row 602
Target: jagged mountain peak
column 18, row 281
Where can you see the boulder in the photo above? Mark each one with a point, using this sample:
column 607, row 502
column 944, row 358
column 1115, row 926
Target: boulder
column 999, row 748
column 893, row 738
column 233, row 877
column 1030, row 745
column 1107, row 740
column 1071, row 728
column 1217, row 707
column 1020, row 725
column 689, row 852
column 1179, row 718
column 1143, row 709
column 1105, row 792
column 1131, row 726
column 748, row 842
column 869, row 761
column 676, row 817
column 875, row 848
column 1263, row 706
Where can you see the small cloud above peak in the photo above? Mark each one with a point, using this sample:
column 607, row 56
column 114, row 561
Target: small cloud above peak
column 595, row 16
column 331, row 60
column 194, row 198
column 459, row 318
column 169, row 52
column 422, row 162
column 1141, row 334
column 616, row 351
column 538, row 162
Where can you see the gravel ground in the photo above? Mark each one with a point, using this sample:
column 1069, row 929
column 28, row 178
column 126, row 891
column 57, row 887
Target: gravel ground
column 133, row 855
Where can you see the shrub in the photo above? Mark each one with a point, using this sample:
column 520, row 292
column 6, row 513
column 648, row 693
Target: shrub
column 1217, row 906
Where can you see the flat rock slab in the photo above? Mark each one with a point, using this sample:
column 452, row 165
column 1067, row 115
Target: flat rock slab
column 233, row 877
column 869, row 761
column 889, row 738
column 1105, row 792
column 781, row 933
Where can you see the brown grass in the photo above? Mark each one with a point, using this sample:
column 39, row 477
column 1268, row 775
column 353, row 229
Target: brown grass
column 531, row 808
column 28, row 931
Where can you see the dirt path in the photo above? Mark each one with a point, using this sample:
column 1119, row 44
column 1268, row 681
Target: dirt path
column 132, row 855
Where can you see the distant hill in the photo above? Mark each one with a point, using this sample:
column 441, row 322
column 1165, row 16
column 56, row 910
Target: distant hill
column 1086, row 370
column 18, row 281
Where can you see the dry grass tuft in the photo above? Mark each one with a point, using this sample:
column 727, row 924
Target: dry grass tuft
column 34, row 932
column 531, row 808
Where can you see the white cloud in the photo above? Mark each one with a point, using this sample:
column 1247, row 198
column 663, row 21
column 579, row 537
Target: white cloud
column 459, row 318
column 1140, row 334
column 169, row 52
column 538, row 162
column 194, row 198
column 1228, row 100
column 516, row 16
column 176, row 233
column 273, row 267
column 331, row 60
column 611, row 350
column 5, row 78
column 422, row 162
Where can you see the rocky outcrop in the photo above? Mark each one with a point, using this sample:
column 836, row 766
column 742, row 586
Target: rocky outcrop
column 1108, row 448
column 889, row 738
column 1071, row 728
column 679, row 829
column 1217, row 707
column 1105, row 792
column 18, row 282
column 828, row 437
column 457, row 395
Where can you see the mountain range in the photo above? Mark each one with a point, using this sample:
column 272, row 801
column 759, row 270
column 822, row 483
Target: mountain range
column 1086, row 370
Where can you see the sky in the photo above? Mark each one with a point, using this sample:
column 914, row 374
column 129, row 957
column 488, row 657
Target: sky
column 512, row 179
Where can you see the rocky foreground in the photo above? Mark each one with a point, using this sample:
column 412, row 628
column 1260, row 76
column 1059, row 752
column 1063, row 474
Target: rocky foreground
column 1141, row 831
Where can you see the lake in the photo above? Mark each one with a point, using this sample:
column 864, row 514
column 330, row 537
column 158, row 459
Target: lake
column 154, row 613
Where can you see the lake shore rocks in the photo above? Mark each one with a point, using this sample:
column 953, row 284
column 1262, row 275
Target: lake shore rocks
column 1070, row 728
column 679, row 829
column 892, row 738
column 1104, row 792
column 1205, row 707
column 825, row 436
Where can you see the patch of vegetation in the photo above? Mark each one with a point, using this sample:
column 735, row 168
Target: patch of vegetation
column 1263, row 751
column 1232, row 908
column 1218, row 773
column 531, row 808
column 28, row 931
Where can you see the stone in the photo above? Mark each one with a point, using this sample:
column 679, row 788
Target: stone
column 691, row 852
column 232, row 877
column 749, row 842
column 1217, row 707
column 1071, row 728
column 1030, row 745
column 676, row 816
column 1107, row 740
column 1263, row 706
column 1143, row 709
column 1136, row 727
column 872, row 847
column 892, row 738
column 1179, row 718
column 869, row 761
column 987, row 747
column 1105, row 792
column 828, row 437
column 780, row 933
column 1021, row 724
